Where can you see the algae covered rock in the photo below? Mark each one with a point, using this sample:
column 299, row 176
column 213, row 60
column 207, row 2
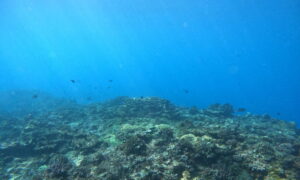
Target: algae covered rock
column 134, row 145
column 221, row 110
column 58, row 167
column 139, row 107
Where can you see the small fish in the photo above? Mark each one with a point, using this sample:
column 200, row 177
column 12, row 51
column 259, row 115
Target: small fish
column 142, row 97
column 108, row 87
column 186, row 91
column 278, row 113
column 110, row 80
column 73, row 81
column 34, row 96
column 89, row 98
column 241, row 109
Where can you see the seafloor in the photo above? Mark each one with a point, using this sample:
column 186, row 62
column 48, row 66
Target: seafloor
column 144, row 139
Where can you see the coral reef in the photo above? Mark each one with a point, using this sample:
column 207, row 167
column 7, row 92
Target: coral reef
column 146, row 139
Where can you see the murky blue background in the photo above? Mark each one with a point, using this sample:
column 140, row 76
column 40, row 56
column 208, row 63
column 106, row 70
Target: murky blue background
column 193, row 52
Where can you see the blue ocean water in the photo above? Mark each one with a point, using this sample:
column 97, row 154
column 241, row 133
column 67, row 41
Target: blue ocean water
column 195, row 52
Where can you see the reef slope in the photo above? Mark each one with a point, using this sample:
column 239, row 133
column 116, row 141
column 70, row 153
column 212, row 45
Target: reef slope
column 147, row 139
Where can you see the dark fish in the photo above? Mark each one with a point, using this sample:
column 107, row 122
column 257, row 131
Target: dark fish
column 110, row 80
column 142, row 97
column 89, row 98
column 73, row 81
column 241, row 109
column 278, row 113
column 34, row 96
column 108, row 87
column 186, row 91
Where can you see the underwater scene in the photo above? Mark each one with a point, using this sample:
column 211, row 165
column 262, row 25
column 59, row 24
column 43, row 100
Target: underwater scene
column 149, row 90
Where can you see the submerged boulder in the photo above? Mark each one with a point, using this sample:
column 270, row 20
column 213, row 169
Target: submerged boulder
column 220, row 110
